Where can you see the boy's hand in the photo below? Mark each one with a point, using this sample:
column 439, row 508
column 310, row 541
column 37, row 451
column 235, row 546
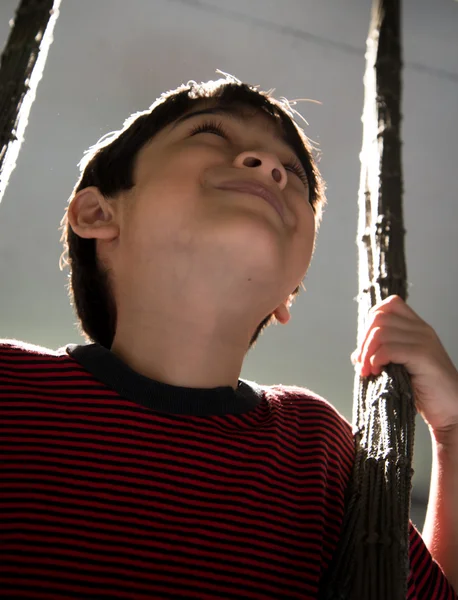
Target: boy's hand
column 396, row 334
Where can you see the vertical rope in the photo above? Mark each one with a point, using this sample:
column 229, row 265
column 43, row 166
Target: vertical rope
column 372, row 558
column 21, row 69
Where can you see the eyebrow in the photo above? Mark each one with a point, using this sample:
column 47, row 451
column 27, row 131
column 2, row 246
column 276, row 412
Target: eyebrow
column 234, row 114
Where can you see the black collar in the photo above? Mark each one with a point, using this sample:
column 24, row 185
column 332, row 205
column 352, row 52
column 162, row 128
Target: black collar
column 163, row 397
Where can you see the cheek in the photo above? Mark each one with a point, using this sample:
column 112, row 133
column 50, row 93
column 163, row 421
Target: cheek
column 171, row 192
column 164, row 201
column 303, row 242
column 177, row 176
column 163, row 210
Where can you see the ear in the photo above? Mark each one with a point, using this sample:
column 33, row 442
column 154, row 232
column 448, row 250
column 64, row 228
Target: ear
column 91, row 216
column 282, row 313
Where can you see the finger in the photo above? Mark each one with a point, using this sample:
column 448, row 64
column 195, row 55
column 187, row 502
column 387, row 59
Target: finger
column 393, row 353
column 380, row 338
column 396, row 305
column 390, row 323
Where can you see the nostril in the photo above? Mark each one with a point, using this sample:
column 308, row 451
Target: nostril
column 276, row 175
column 251, row 162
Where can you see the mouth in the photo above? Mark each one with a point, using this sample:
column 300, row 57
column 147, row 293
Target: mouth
column 256, row 189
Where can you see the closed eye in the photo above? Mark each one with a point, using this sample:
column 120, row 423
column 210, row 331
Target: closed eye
column 209, row 127
column 296, row 167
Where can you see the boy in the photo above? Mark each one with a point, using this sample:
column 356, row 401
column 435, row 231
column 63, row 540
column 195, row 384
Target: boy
column 140, row 465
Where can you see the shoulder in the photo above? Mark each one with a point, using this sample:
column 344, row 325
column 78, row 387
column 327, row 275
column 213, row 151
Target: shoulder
column 305, row 399
column 17, row 355
column 313, row 409
column 319, row 430
column 17, row 348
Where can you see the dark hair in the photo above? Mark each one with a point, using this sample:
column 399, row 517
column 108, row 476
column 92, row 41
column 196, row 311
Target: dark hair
column 109, row 166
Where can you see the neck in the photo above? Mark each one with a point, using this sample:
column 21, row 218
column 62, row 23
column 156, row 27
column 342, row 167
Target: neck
column 180, row 354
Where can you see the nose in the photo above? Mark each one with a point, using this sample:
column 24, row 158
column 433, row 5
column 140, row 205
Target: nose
column 266, row 163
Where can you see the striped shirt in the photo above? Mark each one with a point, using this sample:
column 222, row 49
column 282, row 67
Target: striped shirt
column 117, row 486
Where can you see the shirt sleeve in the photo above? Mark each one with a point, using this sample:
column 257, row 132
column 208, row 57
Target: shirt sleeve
column 426, row 579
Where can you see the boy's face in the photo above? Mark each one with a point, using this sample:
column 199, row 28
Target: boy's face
column 180, row 232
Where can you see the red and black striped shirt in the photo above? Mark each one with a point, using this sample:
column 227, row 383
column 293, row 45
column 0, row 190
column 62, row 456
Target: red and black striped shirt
column 117, row 486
